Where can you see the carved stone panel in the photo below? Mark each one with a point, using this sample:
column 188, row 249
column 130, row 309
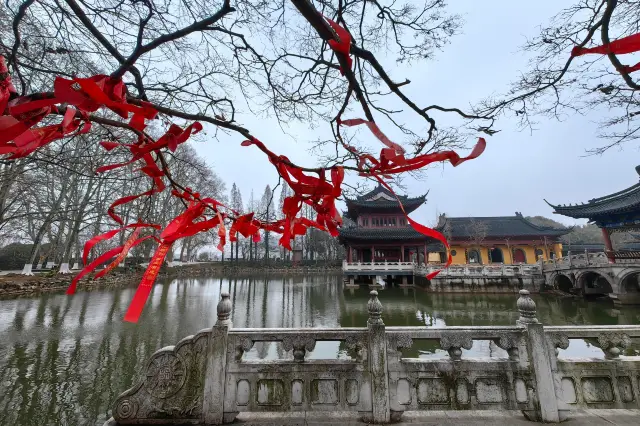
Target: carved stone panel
column 488, row 391
column 432, row 391
column 126, row 408
column 352, row 391
column 569, row 390
column 625, row 388
column 297, row 392
column 521, row 391
column 165, row 375
column 172, row 384
column 324, row 391
column 403, row 391
column 243, row 391
column 597, row 389
column 270, row 392
column 462, row 391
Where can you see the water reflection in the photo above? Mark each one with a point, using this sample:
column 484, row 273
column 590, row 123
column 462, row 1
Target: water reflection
column 64, row 359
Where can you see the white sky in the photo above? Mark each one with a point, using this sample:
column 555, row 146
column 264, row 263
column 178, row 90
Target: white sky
column 518, row 169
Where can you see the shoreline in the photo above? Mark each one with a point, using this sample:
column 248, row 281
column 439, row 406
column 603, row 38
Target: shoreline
column 15, row 285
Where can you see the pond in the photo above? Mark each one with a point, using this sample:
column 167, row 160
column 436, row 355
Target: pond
column 63, row 360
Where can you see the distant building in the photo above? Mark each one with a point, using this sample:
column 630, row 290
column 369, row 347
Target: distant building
column 618, row 212
column 501, row 239
column 375, row 229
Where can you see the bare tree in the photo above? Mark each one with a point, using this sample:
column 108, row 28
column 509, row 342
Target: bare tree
column 559, row 83
column 179, row 66
column 477, row 231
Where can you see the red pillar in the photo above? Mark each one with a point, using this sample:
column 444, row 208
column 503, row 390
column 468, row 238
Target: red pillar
column 402, row 253
column 607, row 244
column 373, row 254
column 349, row 250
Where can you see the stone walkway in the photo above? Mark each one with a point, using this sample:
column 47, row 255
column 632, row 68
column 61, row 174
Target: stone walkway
column 448, row 418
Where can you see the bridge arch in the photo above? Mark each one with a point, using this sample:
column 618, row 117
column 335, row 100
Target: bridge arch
column 563, row 283
column 592, row 283
column 630, row 282
column 629, row 287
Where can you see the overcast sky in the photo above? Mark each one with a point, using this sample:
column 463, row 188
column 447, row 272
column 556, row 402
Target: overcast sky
column 518, row 169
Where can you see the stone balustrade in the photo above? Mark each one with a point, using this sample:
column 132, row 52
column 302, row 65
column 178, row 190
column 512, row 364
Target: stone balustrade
column 451, row 271
column 481, row 270
column 205, row 378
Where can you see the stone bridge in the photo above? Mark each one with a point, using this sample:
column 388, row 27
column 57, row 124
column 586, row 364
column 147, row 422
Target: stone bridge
column 593, row 274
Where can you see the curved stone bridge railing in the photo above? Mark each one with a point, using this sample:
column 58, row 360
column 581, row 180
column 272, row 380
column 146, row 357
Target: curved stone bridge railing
column 205, row 379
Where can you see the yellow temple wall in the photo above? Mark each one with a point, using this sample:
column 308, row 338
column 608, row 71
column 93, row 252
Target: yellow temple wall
column 460, row 259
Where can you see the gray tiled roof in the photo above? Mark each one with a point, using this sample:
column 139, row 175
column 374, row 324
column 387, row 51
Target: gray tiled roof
column 364, row 201
column 495, row 227
column 624, row 201
column 389, row 233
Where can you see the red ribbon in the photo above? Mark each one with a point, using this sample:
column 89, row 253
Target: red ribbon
column 33, row 139
column 110, row 234
column 621, row 46
column 375, row 130
column 343, row 44
column 6, row 86
column 125, row 250
column 629, row 69
column 90, row 267
column 144, row 288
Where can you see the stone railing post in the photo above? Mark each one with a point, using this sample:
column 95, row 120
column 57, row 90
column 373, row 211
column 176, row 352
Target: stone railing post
column 216, row 369
column 378, row 361
column 547, row 404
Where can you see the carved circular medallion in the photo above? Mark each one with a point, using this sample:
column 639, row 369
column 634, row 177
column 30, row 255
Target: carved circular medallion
column 165, row 375
column 125, row 409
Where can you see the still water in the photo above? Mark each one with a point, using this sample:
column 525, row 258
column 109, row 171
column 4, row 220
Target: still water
column 64, row 359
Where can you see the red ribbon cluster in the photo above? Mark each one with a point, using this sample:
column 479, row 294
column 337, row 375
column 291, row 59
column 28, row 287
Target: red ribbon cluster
column 624, row 45
column 316, row 191
column 393, row 161
column 19, row 137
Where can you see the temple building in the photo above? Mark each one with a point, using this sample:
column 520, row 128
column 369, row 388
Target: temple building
column 618, row 212
column 376, row 230
column 502, row 239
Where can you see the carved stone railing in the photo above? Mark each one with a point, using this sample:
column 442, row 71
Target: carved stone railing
column 576, row 260
column 377, row 266
column 205, row 378
column 481, row 271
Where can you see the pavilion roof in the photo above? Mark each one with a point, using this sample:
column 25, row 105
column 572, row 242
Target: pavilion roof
column 382, row 200
column 464, row 228
column 625, row 201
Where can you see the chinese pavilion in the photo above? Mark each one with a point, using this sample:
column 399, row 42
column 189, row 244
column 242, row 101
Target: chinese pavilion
column 502, row 239
column 375, row 229
column 618, row 212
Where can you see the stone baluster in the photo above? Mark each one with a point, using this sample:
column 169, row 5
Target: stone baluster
column 454, row 343
column 378, row 361
column 612, row 344
column 216, row 367
column 537, row 346
column 300, row 346
column 527, row 309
